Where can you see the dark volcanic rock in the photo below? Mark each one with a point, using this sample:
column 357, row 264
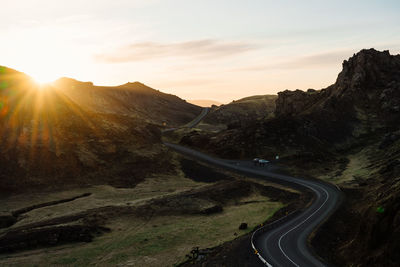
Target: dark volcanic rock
column 290, row 103
column 243, row 226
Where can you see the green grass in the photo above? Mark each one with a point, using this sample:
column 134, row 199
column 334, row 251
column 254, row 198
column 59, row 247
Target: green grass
column 161, row 241
column 166, row 240
column 66, row 261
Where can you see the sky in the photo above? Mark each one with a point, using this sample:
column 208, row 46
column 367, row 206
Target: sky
column 197, row 49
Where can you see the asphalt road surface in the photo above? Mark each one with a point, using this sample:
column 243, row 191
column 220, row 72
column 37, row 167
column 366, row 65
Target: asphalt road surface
column 285, row 244
column 191, row 124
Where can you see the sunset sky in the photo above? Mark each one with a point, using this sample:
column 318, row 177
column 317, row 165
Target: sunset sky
column 196, row 49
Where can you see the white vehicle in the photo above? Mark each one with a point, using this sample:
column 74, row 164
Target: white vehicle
column 262, row 162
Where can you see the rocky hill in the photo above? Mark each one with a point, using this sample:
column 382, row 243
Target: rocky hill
column 364, row 98
column 363, row 102
column 131, row 99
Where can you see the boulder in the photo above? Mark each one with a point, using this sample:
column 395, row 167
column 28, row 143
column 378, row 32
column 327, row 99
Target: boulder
column 243, row 226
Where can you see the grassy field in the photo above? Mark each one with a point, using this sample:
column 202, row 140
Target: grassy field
column 134, row 240
column 160, row 241
column 103, row 195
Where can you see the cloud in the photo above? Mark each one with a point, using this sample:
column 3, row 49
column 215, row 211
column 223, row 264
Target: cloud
column 319, row 60
column 207, row 49
column 197, row 82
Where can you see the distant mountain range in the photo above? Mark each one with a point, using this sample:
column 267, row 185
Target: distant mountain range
column 205, row 103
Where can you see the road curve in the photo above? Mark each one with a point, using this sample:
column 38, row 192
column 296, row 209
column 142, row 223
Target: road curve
column 198, row 119
column 191, row 124
column 284, row 243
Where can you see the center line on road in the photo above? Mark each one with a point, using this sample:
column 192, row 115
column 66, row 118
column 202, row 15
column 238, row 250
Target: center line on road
column 282, row 236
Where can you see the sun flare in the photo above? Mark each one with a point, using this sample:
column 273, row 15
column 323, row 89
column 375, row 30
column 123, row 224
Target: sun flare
column 43, row 79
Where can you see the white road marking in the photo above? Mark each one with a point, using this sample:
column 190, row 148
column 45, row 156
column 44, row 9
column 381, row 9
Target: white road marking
column 282, row 236
column 252, row 238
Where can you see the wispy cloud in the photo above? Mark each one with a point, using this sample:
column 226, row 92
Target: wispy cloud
column 207, row 48
column 319, row 60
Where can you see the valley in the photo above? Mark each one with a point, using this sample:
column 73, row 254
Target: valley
column 89, row 177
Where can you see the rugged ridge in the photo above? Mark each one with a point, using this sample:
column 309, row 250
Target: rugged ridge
column 369, row 82
column 363, row 102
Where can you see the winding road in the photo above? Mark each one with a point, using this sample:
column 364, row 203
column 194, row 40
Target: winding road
column 192, row 123
column 284, row 243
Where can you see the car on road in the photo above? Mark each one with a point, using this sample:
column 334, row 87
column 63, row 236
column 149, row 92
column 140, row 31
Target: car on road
column 260, row 162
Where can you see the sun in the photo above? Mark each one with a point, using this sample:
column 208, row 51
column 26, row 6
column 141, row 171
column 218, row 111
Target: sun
column 43, row 79
column 39, row 85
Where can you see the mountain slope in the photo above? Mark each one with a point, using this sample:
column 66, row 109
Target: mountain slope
column 43, row 132
column 131, row 99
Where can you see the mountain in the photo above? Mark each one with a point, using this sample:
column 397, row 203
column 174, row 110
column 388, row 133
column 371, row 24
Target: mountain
column 348, row 134
column 105, row 136
column 204, row 103
column 364, row 101
column 130, row 99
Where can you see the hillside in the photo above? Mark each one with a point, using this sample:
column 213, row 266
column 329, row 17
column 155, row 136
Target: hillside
column 241, row 111
column 131, row 99
column 348, row 134
column 260, row 107
column 106, row 136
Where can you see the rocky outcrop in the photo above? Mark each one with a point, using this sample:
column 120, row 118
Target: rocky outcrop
column 361, row 104
column 364, row 100
column 367, row 86
column 290, row 103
